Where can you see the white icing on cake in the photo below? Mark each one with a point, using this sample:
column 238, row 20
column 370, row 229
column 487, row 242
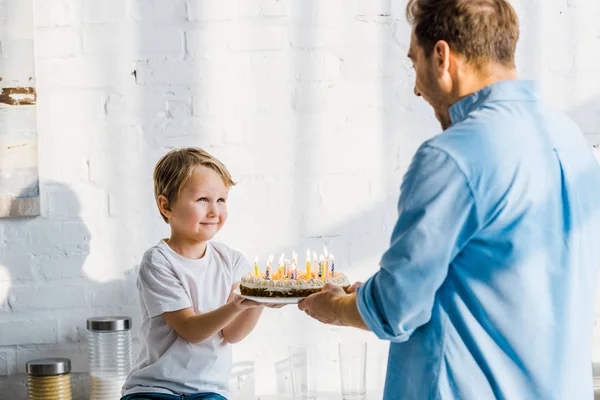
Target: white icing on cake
column 252, row 281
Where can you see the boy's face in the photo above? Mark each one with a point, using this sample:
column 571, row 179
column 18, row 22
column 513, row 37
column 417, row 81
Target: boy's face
column 201, row 208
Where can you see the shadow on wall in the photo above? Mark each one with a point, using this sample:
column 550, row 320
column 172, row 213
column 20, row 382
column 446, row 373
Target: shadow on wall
column 45, row 294
column 587, row 116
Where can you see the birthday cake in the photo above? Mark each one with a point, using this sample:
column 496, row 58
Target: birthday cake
column 289, row 281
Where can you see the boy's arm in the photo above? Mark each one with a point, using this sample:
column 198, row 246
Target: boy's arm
column 196, row 328
column 243, row 323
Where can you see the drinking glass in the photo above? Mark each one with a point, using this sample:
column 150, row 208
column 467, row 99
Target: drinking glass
column 353, row 366
column 303, row 364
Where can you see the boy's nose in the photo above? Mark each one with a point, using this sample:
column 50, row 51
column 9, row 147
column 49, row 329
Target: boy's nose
column 212, row 210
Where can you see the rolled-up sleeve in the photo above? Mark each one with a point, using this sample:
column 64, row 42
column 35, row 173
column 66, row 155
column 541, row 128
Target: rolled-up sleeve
column 437, row 216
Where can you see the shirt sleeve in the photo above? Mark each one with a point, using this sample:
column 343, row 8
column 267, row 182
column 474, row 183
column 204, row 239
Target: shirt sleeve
column 160, row 288
column 241, row 266
column 437, row 216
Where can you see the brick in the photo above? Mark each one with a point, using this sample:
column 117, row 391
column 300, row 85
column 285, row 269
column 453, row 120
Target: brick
column 163, row 11
column 7, row 361
column 31, row 331
column 178, row 109
column 82, row 72
column 263, row 8
column 248, row 99
column 315, row 37
column 57, row 43
column 314, row 97
column 329, row 13
column 374, row 7
column 211, row 37
column 104, row 11
column 111, row 295
column 55, row 296
column 212, row 10
column 4, row 9
column 83, row 200
column 139, row 40
column 17, row 62
column 57, row 13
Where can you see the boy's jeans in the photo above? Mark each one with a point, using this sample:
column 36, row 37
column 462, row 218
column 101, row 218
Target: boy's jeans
column 160, row 396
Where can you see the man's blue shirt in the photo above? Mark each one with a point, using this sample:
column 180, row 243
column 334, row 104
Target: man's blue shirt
column 487, row 290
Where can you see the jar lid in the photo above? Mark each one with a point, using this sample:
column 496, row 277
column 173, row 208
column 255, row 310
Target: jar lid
column 109, row 324
column 48, row 366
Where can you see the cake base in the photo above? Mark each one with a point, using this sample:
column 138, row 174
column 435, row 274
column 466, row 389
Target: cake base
column 261, row 292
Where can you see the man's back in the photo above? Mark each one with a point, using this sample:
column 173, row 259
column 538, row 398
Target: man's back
column 513, row 317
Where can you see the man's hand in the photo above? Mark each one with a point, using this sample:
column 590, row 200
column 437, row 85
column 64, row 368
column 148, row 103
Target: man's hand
column 354, row 287
column 323, row 306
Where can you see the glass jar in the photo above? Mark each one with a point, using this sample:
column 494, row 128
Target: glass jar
column 109, row 347
column 49, row 379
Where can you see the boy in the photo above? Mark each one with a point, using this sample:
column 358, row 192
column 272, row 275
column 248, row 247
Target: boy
column 189, row 312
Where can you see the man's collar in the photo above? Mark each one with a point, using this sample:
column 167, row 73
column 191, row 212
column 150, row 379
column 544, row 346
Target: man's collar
column 510, row 90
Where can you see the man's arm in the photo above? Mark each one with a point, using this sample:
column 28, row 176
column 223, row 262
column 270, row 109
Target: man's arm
column 437, row 217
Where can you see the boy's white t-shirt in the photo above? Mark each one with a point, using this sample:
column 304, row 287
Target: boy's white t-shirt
column 169, row 282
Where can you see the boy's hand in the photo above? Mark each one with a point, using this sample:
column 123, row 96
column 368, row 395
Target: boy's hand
column 242, row 304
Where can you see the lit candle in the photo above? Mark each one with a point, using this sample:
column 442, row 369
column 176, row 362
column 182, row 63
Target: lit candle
column 280, row 266
column 316, row 261
column 307, row 264
column 255, row 266
column 269, row 262
column 323, row 272
column 326, row 266
column 294, row 273
column 332, row 266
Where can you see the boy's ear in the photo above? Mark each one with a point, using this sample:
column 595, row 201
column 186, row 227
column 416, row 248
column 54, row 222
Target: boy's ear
column 163, row 206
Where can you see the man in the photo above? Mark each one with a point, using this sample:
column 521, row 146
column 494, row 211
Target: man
column 487, row 289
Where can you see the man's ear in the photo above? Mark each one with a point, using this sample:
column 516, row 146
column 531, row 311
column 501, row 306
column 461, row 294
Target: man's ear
column 441, row 55
column 164, row 206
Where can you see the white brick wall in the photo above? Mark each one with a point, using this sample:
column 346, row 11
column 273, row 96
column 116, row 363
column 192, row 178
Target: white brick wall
column 308, row 102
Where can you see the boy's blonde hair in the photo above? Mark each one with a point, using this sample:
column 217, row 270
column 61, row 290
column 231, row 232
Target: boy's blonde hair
column 175, row 168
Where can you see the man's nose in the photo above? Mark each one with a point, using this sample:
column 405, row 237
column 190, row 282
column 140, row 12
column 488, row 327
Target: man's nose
column 417, row 93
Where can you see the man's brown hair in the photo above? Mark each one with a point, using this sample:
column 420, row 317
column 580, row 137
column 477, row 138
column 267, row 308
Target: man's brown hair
column 480, row 30
column 175, row 168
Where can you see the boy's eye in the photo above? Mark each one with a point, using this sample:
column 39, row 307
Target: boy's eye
column 221, row 200
column 202, row 199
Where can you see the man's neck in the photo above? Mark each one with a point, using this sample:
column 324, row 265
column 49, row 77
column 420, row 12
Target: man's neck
column 472, row 82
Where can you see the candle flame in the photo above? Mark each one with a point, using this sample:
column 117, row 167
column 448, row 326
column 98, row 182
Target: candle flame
column 307, row 253
column 325, row 251
column 332, row 258
column 281, row 259
column 256, row 260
